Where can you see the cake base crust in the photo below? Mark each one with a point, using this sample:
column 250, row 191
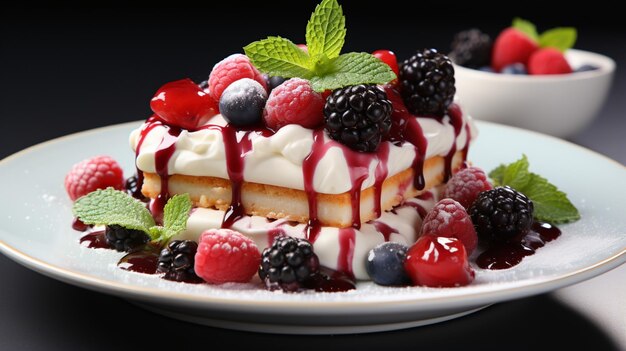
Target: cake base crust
column 284, row 203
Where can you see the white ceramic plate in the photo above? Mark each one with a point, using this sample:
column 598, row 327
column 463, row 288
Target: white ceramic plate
column 35, row 231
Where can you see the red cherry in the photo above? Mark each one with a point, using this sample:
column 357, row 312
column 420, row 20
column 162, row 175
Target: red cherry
column 438, row 262
column 183, row 104
column 388, row 57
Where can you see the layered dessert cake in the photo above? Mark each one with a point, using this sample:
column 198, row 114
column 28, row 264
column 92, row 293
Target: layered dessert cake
column 301, row 182
column 310, row 169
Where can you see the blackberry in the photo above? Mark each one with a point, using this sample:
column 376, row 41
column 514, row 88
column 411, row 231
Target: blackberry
column 427, row 83
column 133, row 189
column 471, row 48
column 288, row 264
column 122, row 239
column 358, row 116
column 177, row 261
column 502, row 214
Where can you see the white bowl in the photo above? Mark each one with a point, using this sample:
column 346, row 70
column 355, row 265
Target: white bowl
column 560, row 105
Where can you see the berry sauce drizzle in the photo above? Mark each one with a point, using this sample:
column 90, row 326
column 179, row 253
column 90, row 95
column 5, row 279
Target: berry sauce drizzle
column 456, row 119
column 151, row 123
column 380, row 175
column 347, row 237
column 329, row 280
column 507, row 255
column 318, row 150
column 95, row 240
column 405, row 127
column 162, row 156
column 235, row 152
column 79, row 226
column 143, row 261
column 385, row 229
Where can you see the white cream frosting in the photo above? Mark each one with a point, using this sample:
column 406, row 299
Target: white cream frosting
column 406, row 221
column 277, row 159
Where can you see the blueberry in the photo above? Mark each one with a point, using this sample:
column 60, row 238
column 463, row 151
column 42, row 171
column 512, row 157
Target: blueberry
column 515, row 68
column 242, row 102
column 486, row 69
column 385, row 264
column 586, row 68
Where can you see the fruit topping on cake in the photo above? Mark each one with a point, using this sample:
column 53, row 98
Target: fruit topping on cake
column 313, row 169
column 427, row 80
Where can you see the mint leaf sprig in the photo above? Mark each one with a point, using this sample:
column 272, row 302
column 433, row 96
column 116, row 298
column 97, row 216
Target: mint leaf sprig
column 110, row 206
column 560, row 38
column 322, row 64
column 551, row 204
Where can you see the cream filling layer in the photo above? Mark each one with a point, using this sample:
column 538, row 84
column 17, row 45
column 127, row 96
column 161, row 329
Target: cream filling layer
column 277, row 159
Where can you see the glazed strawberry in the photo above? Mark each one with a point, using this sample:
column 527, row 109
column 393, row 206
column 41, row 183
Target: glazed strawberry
column 92, row 174
column 230, row 70
column 511, row 46
column 294, row 102
column 449, row 219
column 388, row 57
column 548, row 61
column 438, row 262
column 226, row 256
column 183, row 104
column 466, row 184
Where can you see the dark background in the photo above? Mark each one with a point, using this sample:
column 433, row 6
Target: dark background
column 67, row 69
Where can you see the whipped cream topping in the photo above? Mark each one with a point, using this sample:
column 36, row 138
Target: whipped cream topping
column 277, row 159
column 344, row 250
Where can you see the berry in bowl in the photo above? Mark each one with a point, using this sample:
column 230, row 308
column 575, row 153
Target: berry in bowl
column 529, row 80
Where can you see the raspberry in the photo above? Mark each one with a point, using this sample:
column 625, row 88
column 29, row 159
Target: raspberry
column 226, row 256
column 438, row 262
column 288, row 264
column 548, row 61
column 465, row 186
column 230, row 70
column 502, row 214
column 183, row 104
column 92, row 174
column 449, row 219
column 294, row 102
column 427, row 83
column 471, row 48
column 511, row 46
column 358, row 116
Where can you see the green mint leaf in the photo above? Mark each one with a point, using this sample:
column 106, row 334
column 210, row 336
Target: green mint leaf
column 278, row 56
column 350, row 69
column 551, row 204
column 326, row 30
column 526, row 27
column 497, row 175
column 515, row 175
column 175, row 215
column 110, row 206
column 559, row 38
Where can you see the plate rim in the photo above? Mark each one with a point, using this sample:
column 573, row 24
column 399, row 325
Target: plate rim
column 532, row 287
